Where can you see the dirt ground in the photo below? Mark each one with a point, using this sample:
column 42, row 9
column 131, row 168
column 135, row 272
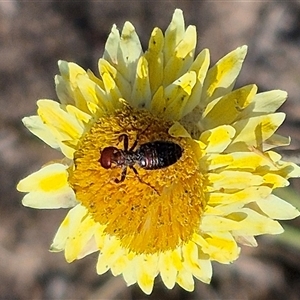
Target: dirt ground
column 34, row 35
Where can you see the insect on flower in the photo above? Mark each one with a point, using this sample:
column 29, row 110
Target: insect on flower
column 149, row 156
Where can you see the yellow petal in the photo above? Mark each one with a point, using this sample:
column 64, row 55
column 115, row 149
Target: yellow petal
column 234, row 102
column 275, row 180
column 217, row 139
column 248, row 161
column 123, row 85
column 177, row 130
column 97, row 100
column 222, row 76
column 177, row 95
column 155, row 58
column 113, row 93
column 220, row 246
column 182, row 58
column 158, row 103
column 82, row 117
column 141, row 92
column 64, row 126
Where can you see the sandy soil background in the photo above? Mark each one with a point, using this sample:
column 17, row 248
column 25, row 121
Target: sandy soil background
column 34, row 35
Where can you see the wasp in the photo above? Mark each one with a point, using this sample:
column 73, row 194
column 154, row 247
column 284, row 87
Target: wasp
column 149, row 156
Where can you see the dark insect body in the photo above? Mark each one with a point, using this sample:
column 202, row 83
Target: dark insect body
column 149, row 156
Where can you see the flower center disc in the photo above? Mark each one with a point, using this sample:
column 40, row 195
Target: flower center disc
column 152, row 211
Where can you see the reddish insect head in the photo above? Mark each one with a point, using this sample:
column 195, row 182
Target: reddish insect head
column 107, row 155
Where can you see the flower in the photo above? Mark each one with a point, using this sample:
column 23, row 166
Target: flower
column 198, row 174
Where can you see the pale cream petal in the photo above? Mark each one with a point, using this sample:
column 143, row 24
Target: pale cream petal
column 123, row 51
column 200, row 67
column 246, row 240
column 233, row 180
column 69, row 225
column 174, row 34
column 78, row 237
column 254, row 131
column 120, row 263
column 42, row 131
column 288, row 170
column 190, row 253
column 264, row 103
column 167, row 268
column 242, row 222
column 89, row 248
column 111, row 50
column 131, row 51
column 48, row 188
column 129, row 273
column 185, row 280
column 147, row 270
column 276, row 140
column 62, row 198
column 276, row 208
column 244, row 196
column 109, row 253
column 66, row 85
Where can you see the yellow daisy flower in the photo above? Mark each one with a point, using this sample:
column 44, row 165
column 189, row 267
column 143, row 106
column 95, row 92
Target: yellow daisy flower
column 166, row 167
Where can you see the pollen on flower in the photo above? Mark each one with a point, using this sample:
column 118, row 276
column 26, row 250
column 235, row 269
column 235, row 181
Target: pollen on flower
column 152, row 211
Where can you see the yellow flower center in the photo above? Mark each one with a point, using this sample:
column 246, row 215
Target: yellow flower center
column 151, row 210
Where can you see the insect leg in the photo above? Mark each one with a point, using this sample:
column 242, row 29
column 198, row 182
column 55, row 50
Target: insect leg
column 137, row 139
column 123, row 175
column 141, row 180
column 124, row 137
